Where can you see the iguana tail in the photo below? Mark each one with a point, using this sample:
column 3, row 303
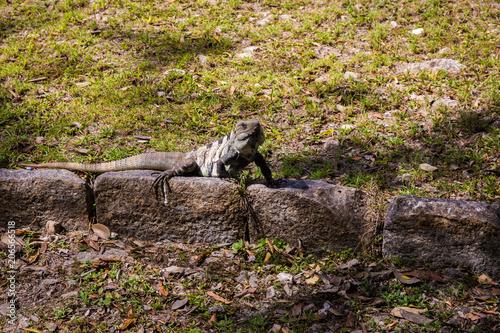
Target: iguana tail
column 146, row 161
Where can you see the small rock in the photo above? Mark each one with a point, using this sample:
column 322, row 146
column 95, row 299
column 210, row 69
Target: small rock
column 445, row 50
column 445, row 102
column 284, row 277
column 160, row 93
column 203, row 60
column 250, row 49
column 253, row 281
column 264, row 21
column 242, row 278
column 82, row 151
column 323, row 78
column 447, row 65
column 245, row 55
column 147, row 307
column 270, row 292
column 53, row 227
column 406, row 177
column 276, row 328
column 350, row 75
column 428, row 167
column 393, row 24
column 347, row 127
column 40, row 139
column 172, row 270
column 51, row 327
column 331, row 144
column 418, row 31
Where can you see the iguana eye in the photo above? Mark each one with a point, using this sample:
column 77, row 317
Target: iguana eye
column 244, row 126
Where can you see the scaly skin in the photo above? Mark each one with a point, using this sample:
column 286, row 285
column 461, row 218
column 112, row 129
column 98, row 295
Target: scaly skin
column 223, row 158
column 147, row 161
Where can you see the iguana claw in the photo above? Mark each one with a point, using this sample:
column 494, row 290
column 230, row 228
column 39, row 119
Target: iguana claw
column 163, row 181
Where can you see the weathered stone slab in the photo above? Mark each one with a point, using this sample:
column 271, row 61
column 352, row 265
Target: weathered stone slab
column 200, row 210
column 43, row 195
column 314, row 211
column 435, row 65
column 444, row 233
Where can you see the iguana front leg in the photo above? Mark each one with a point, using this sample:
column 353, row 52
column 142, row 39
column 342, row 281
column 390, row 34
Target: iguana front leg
column 187, row 167
column 266, row 172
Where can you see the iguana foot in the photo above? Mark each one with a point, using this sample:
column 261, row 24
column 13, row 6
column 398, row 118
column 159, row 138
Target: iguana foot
column 162, row 181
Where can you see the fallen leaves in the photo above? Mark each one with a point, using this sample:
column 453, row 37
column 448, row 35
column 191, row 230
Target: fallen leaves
column 218, row 298
column 127, row 323
column 428, row 167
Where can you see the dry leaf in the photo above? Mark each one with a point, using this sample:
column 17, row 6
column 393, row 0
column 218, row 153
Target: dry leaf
column 127, row 323
column 179, row 303
column 270, row 246
column 92, row 244
column 313, row 279
column 405, row 279
column 378, row 115
column 268, row 256
column 426, row 275
column 213, row 319
column 32, row 258
column 296, row 310
column 485, row 279
column 396, row 312
column 472, row 316
column 427, row 167
column 231, row 90
column 414, row 317
column 162, row 290
column 218, row 298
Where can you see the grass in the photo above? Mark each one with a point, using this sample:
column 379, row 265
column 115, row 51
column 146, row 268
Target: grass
column 109, row 70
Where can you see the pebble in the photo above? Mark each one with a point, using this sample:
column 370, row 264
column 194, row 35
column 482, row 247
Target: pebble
column 393, row 24
column 243, row 55
column 418, row 31
column 445, row 102
column 349, row 75
column 284, row 277
column 270, row 292
column 203, row 59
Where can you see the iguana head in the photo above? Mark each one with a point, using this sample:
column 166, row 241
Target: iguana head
column 248, row 136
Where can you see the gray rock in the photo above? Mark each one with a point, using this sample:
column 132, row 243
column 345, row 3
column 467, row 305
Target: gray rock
column 448, row 65
column 318, row 213
column 203, row 60
column 270, row 293
column 253, row 281
column 43, row 195
column 418, row 31
column 444, row 233
column 445, row 102
column 350, row 75
column 199, row 210
column 284, row 277
column 244, row 55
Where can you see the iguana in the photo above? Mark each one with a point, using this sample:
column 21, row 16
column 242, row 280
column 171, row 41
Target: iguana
column 223, row 158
